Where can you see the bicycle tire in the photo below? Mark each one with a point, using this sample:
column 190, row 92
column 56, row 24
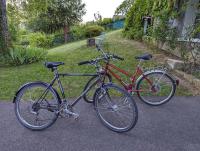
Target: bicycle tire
column 161, row 98
column 113, row 121
column 86, row 97
column 21, row 95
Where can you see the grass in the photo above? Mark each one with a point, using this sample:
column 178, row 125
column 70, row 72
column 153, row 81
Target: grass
column 11, row 78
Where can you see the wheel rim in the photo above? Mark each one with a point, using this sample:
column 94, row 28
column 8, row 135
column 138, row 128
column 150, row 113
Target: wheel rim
column 90, row 94
column 159, row 91
column 115, row 109
column 45, row 113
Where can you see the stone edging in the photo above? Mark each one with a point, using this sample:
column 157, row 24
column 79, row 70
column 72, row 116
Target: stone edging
column 190, row 78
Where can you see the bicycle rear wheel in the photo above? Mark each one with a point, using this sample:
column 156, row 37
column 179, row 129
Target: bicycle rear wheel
column 156, row 88
column 36, row 106
column 116, row 108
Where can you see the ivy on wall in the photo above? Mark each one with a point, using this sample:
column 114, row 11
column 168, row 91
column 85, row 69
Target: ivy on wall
column 160, row 11
column 133, row 24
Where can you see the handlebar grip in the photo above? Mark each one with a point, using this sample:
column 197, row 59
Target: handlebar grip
column 84, row 62
column 117, row 57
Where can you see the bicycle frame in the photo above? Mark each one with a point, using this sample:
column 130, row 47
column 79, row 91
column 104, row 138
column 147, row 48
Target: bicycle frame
column 56, row 78
column 129, row 87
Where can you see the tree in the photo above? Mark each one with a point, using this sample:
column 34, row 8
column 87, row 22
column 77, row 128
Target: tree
column 97, row 16
column 124, row 7
column 4, row 34
column 13, row 20
column 52, row 15
column 68, row 13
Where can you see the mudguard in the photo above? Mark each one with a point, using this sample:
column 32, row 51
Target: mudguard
column 151, row 71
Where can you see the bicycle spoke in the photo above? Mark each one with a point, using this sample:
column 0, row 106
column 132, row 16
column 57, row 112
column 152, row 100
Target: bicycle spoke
column 34, row 112
column 30, row 95
column 159, row 92
column 119, row 112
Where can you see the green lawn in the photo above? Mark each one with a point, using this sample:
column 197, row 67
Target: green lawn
column 11, row 78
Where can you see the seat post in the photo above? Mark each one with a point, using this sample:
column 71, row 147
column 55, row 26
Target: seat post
column 54, row 69
column 139, row 62
column 56, row 74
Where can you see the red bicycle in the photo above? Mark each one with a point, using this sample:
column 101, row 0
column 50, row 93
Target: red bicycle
column 154, row 87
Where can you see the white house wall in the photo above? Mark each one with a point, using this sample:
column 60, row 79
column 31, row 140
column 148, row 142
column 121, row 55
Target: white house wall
column 190, row 16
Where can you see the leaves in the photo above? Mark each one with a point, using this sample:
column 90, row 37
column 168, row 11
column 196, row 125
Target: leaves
column 51, row 15
column 124, row 7
column 22, row 55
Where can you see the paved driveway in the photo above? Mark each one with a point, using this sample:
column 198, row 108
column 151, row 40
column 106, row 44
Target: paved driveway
column 172, row 127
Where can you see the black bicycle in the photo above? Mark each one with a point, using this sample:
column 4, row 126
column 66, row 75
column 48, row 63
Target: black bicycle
column 38, row 104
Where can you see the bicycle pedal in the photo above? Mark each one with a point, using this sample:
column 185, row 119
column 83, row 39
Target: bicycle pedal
column 62, row 115
column 75, row 116
column 71, row 113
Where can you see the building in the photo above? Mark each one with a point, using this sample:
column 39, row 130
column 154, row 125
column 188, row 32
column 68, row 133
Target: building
column 189, row 18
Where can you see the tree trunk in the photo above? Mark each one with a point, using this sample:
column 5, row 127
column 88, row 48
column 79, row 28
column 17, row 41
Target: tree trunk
column 4, row 34
column 66, row 30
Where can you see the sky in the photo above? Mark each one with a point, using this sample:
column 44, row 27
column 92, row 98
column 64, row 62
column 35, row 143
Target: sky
column 106, row 8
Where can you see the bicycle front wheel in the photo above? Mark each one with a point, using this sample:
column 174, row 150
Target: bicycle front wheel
column 156, row 88
column 36, row 106
column 116, row 108
column 88, row 97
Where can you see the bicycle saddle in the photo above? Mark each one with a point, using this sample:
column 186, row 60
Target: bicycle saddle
column 53, row 64
column 144, row 57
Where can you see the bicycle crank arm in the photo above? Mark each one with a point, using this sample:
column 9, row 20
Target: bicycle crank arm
column 68, row 112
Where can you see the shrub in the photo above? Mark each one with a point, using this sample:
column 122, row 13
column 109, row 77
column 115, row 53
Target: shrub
column 94, row 30
column 37, row 39
column 106, row 21
column 58, row 39
column 40, row 40
column 133, row 24
column 23, row 32
column 196, row 30
column 13, row 30
column 24, row 55
column 78, row 32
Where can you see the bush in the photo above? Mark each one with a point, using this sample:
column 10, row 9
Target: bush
column 58, row 39
column 13, row 30
column 78, row 32
column 23, row 55
column 196, row 30
column 41, row 40
column 93, row 31
column 133, row 24
column 106, row 21
column 23, row 32
column 37, row 39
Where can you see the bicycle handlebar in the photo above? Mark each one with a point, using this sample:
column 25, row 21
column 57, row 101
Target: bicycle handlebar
column 117, row 57
column 108, row 56
column 94, row 61
column 84, row 62
column 105, row 57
